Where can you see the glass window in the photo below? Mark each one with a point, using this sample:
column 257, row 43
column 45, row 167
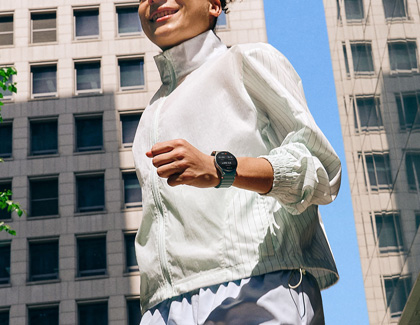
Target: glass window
column 5, row 187
column 132, row 190
column 379, row 171
column 44, row 197
column 395, row 8
column 44, row 27
column 368, row 115
column 131, row 73
column 221, row 21
column 91, row 256
column 397, row 291
column 6, row 137
column 43, row 316
column 128, row 21
column 93, row 313
column 44, row 137
column 346, row 60
column 88, row 77
column 4, row 263
column 129, row 125
column 4, row 316
column 6, row 30
column 417, row 216
column 86, row 23
column 408, row 110
column 354, row 9
column 133, row 311
column 89, row 133
column 7, row 94
column 388, row 232
column 43, row 260
column 412, row 161
column 90, row 193
column 44, row 81
column 130, row 253
column 403, row 56
column 362, row 59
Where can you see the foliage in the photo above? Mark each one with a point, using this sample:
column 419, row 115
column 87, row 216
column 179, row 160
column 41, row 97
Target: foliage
column 5, row 202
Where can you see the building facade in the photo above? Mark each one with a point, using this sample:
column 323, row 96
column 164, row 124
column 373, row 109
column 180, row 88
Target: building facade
column 375, row 56
column 85, row 74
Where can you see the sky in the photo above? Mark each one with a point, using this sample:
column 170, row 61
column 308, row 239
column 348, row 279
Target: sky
column 297, row 28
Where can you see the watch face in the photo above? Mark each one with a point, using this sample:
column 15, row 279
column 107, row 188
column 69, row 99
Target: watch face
column 226, row 161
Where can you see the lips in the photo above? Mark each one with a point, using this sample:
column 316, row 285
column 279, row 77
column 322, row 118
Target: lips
column 161, row 13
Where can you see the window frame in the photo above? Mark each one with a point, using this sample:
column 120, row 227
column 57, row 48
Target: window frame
column 131, row 299
column 388, row 171
column 41, row 307
column 129, row 269
column 41, row 179
column 98, row 301
column 84, row 9
column 357, row 73
column 399, row 99
column 48, row 94
column 398, row 18
column 39, row 153
column 8, row 123
column 416, row 186
column 225, row 27
column 92, row 209
column 127, row 145
column 42, row 277
column 416, row 54
column 124, row 6
column 9, row 14
column 92, row 91
column 397, row 231
column 6, row 182
column 86, row 149
column 6, row 281
column 358, row 125
column 130, row 205
column 7, row 97
column 142, row 67
column 355, row 20
column 87, row 274
column 6, row 310
column 398, row 277
column 42, row 12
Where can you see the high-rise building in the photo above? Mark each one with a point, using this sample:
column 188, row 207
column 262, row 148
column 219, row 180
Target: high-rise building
column 85, row 74
column 375, row 55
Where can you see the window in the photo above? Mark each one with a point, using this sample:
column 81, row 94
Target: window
column 43, row 260
column 362, row 59
column 44, row 137
column 130, row 253
column 128, row 21
column 388, row 232
column 89, row 133
column 6, row 137
column 44, row 81
column 417, row 216
column 129, row 123
column 354, row 9
column 4, row 316
column 132, row 190
column 403, row 56
column 5, row 187
column 408, row 110
column 4, row 262
column 47, row 315
column 44, row 27
column 90, row 193
column 395, row 8
column 412, row 162
column 131, row 73
column 346, row 60
column 91, row 256
column 88, row 77
column 86, row 23
column 6, row 30
column 221, row 21
column 93, row 313
column 397, row 290
column 379, row 171
column 133, row 311
column 44, row 197
column 367, row 113
column 7, row 94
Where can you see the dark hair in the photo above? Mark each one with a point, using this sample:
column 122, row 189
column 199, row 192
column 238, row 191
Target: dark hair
column 224, row 4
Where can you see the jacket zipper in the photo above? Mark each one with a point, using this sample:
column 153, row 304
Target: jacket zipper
column 158, row 201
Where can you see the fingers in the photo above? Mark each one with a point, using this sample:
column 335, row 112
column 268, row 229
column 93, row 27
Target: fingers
column 167, row 146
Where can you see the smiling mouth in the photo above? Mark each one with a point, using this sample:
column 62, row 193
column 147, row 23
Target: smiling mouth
column 158, row 15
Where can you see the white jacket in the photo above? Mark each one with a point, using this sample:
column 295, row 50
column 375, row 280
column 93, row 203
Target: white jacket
column 247, row 100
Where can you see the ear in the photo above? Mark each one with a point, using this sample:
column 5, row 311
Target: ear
column 215, row 8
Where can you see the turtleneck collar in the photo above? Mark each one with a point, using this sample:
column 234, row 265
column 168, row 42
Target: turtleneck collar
column 177, row 62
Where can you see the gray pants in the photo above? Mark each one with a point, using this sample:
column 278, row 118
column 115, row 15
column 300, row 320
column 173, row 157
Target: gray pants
column 282, row 297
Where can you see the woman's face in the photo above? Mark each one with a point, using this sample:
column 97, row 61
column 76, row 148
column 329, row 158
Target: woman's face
column 168, row 23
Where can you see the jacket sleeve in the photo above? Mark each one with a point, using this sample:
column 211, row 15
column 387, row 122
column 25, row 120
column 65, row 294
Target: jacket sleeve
column 307, row 171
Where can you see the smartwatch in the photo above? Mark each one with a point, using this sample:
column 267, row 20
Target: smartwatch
column 226, row 164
